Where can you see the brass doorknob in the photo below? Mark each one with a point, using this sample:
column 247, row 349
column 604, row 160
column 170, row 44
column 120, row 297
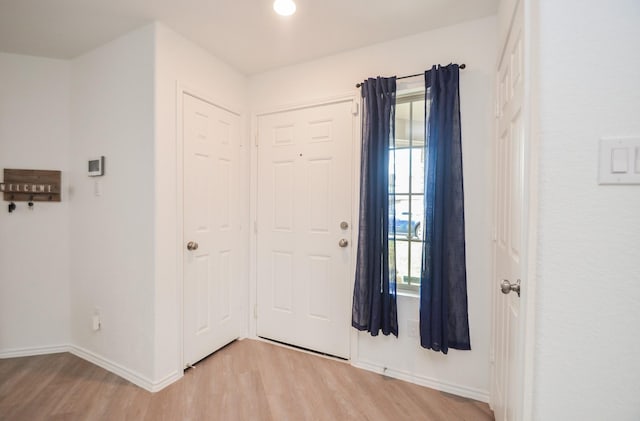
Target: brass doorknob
column 192, row 245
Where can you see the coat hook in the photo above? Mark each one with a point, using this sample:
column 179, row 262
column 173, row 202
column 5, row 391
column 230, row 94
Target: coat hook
column 12, row 207
column 30, row 203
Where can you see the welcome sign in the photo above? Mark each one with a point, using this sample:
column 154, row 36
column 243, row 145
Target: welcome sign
column 31, row 185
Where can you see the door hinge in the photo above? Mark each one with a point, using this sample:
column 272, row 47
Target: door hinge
column 255, row 141
column 354, row 108
column 255, row 311
column 255, row 227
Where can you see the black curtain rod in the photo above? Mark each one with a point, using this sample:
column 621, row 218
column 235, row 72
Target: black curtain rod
column 462, row 66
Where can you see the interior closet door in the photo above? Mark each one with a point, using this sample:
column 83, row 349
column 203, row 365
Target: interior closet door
column 211, row 229
column 304, row 241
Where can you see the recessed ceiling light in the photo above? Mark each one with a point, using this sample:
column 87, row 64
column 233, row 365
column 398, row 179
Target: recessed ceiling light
column 284, row 7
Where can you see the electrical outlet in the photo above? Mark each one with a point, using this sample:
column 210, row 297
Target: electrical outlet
column 413, row 328
column 96, row 322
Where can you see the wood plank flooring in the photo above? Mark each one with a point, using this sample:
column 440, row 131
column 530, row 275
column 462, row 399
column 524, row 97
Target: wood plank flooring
column 247, row 380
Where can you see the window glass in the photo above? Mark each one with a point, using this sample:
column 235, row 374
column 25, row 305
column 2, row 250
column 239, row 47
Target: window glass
column 406, row 171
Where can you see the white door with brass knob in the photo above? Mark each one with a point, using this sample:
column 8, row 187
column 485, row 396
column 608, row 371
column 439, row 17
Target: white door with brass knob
column 303, row 227
column 211, row 305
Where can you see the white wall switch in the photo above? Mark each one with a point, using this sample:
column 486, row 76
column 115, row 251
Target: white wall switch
column 619, row 161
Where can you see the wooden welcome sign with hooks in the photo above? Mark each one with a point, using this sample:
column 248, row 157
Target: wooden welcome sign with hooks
column 31, row 185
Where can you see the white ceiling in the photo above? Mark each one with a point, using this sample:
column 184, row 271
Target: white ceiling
column 247, row 34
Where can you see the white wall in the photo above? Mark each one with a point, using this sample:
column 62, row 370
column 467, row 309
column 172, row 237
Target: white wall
column 588, row 303
column 34, row 253
column 180, row 61
column 112, row 235
column 473, row 43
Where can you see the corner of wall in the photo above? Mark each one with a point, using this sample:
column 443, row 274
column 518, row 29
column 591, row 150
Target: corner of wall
column 111, row 230
column 179, row 64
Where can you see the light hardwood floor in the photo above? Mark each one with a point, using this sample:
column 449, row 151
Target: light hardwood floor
column 247, row 380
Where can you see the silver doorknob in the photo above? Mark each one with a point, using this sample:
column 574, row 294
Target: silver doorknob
column 192, row 245
column 507, row 286
column 343, row 242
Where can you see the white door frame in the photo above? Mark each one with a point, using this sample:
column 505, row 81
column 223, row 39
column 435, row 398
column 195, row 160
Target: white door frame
column 531, row 211
column 530, row 205
column 253, row 205
column 181, row 90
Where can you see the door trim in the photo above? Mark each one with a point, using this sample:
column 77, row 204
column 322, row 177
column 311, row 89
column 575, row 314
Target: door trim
column 530, row 101
column 181, row 90
column 253, row 191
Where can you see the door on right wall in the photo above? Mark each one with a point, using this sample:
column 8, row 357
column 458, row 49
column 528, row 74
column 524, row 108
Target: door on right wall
column 510, row 227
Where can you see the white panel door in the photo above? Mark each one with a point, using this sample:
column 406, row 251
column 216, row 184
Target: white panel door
column 510, row 248
column 304, row 194
column 211, row 229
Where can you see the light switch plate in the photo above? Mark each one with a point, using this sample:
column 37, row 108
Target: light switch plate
column 619, row 161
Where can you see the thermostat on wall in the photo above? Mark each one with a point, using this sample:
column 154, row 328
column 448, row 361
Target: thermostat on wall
column 96, row 167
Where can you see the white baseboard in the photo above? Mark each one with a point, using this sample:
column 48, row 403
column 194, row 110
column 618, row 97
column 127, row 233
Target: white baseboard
column 151, row 386
column 171, row 378
column 454, row 389
column 127, row 374
column 31, row 351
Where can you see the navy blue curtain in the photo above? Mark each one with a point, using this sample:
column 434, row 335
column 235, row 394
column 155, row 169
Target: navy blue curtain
column 374, row 296
column 444, row 320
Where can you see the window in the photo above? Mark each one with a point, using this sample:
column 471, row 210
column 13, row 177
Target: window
column 406, row 174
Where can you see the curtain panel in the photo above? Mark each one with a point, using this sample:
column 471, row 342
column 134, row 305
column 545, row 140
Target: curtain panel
column 374, row 296
column 444, row 321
